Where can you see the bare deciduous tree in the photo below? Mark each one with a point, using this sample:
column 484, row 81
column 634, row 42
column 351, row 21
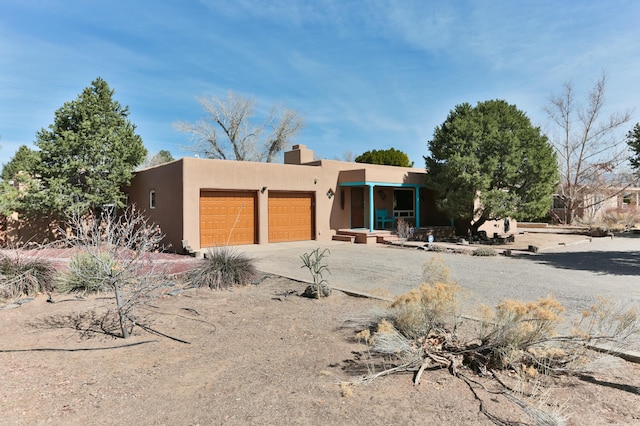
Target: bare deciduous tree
column 119, row 248
column 230, row 133
column 589, row 147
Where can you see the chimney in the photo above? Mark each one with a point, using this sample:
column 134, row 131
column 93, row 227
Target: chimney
column 299, row 154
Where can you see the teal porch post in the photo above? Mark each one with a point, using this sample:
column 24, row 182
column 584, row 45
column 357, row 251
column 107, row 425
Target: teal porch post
column 371, row 208
column 417, row 207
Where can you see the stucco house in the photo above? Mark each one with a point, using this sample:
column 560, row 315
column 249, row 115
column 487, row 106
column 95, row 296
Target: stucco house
column 201, row 203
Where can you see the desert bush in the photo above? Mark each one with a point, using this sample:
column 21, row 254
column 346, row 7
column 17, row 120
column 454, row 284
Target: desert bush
column 485, row 251
column 422, row 310
column 86, row 274
column 514, row 327
column 24, row 276
column 434, row 271
column 609, row 321
column 437, row 248
column 621, row 219
column 223, row 267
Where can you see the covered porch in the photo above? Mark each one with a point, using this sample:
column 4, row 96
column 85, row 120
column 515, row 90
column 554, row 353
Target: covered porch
column 375, row 205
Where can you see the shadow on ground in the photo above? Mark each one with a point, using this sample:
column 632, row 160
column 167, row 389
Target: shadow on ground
column 601, row 262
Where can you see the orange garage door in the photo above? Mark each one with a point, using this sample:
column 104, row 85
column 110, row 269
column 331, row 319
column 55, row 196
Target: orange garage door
column 290, row 216
column 227, row 218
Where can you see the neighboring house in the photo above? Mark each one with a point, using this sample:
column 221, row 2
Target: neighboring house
column 598, row 204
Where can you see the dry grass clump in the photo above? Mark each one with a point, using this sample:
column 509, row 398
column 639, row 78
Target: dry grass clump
column 23, row 276
column 223, row 267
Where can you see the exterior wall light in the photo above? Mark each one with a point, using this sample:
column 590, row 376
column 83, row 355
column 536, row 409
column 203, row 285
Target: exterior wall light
column 330, row 193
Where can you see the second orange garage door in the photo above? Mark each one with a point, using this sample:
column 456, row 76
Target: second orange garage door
column 290, row 217
column 227, row 218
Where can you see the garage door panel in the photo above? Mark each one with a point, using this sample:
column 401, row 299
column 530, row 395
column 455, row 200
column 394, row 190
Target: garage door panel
column 290, row 217
column 227, row 218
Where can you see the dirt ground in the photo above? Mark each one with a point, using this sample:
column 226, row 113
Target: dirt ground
column 255, row 355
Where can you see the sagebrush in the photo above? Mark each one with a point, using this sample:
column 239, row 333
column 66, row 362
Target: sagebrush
column 485, row 251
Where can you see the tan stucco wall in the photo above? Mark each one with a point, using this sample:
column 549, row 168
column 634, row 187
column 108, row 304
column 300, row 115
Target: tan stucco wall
column 166, row 180
column 178, row 185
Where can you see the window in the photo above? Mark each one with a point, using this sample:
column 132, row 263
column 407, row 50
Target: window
column 558, row 202
column 403, row 203
column 152, row 199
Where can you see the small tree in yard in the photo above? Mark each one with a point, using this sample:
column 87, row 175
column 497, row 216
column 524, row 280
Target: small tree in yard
column 118, row 249
column 633, row 140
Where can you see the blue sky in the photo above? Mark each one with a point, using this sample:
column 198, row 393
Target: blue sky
column 367, row 74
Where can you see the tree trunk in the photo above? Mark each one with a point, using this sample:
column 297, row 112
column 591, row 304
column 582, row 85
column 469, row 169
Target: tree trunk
column 475, row 226
column 121, row 316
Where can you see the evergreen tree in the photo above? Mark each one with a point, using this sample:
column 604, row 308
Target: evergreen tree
column 24, row 160
column 161, row 157
column 388, row 157
column 86, row 156
column 488, row 162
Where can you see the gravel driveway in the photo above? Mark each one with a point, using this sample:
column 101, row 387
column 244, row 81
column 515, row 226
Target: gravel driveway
column 576, row 273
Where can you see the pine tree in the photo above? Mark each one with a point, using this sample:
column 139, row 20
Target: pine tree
column 488, row 162
column 86, row 156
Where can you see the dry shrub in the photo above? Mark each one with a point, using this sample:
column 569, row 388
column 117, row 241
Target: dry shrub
column 609, row 321
column 434, row 270
column 434, row 305
column 514, row 327
column 223, row 267
column 86, row 274
column 24, row 276
column 431, row 306
column 621, row 219
column 485, row 251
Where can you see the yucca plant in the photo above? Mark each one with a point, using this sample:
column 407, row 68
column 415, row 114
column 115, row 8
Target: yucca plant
column 223, row 267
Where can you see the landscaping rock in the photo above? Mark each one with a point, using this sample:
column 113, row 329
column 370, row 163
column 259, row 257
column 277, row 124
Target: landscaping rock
column 312, row 291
